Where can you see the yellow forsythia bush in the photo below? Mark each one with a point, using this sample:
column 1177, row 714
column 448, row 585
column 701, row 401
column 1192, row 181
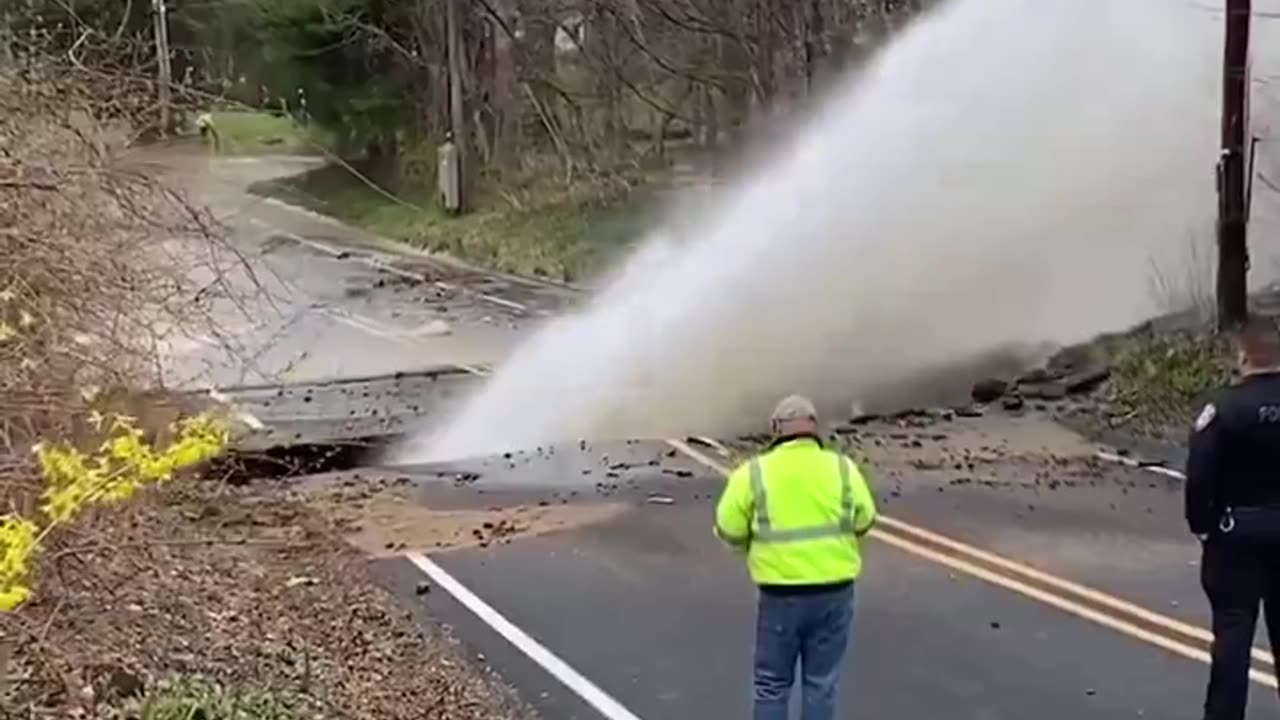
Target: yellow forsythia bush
column 74, row 481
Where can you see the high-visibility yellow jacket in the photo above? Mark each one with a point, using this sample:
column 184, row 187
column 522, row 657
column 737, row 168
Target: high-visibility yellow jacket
column 798, row 511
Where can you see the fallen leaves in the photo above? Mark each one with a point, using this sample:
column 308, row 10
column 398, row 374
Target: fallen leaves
column 241, row 614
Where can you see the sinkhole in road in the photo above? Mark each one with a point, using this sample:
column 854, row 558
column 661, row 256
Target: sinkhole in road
column 295, row 429
column 283, row 462
column 1003, row 177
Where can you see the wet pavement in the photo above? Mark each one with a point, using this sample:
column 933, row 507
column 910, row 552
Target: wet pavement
column 602, row 555
column 300, row 297
column 653, row 611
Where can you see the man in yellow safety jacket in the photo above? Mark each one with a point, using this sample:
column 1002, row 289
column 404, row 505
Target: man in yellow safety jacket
column 798, row 511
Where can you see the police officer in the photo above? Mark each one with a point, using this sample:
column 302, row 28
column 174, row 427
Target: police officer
column 797, row 511
column 1233, row 506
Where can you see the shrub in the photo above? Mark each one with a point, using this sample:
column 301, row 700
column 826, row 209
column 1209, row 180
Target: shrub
column 1161, row 378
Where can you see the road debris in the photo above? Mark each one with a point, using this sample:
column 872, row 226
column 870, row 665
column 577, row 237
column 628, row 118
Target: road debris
column 989, row 390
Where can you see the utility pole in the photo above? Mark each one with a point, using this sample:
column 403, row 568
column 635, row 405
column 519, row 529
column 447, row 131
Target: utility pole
column 457, row 114
column 164, row 70
column 1234, row 170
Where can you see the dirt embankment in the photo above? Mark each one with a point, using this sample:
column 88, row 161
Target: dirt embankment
column 246, row 589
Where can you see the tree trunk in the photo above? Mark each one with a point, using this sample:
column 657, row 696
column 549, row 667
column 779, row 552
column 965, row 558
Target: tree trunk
column 710, row 118
column 843, row 26
column 504, row 99
column 431, row 81
column 804, row 50
column 765, row 51
column 815, row 44
column 602, row 53
column 164, row 70
column 734, row 60
column 457, row 113
column 535, row 60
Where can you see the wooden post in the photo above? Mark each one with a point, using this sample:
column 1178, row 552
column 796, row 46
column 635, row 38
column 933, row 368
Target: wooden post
column 457, row 113
column 1233, row 183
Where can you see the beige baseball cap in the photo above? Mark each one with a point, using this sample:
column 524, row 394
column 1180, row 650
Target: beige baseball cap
column 794, row 407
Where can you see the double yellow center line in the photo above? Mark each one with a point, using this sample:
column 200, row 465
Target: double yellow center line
column 1085, row 602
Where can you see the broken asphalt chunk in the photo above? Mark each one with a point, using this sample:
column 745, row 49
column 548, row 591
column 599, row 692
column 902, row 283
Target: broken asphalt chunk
column 989, row 390
column 1052, row 390
column 1087, row 380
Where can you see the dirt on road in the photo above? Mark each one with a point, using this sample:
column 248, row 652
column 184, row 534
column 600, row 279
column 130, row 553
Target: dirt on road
column 382, row 516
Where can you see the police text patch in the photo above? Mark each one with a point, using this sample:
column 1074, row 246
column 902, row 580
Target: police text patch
column 1206, row 417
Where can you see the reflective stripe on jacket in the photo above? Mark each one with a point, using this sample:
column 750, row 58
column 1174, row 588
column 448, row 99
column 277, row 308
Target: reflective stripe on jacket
column 798, row 511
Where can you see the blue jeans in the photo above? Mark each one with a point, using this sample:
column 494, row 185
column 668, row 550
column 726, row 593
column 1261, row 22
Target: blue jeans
column 812, row 628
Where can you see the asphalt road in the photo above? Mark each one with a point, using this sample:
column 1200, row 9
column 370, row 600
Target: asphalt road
column 652, row 611
column 1072, row 596
column 299, row 297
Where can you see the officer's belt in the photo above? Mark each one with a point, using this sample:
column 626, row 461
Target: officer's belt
column 1257, row 524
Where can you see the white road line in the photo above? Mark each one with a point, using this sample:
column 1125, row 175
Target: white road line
column 503, row 302
column 1159, row 469
column 315, row 244
column 713, row 443
column 473, row 369
column 379, row 264
column 684, row 447
column 535, row 651
column 378, row 329
column 244, row 416
column 386, row 267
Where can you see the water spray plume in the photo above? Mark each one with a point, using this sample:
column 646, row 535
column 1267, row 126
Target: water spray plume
column 1005, row 173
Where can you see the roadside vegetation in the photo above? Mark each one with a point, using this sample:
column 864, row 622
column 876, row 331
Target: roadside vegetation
column 191, row 699
column 1162, row 379
column 568, row 112
column 1163, row 371
column 134, row 583
column 255, row 132
column 569, row 236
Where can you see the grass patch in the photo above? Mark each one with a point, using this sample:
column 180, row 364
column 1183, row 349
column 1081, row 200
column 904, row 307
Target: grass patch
column 247, row 132
column 1161, row 379
column 193, row 700
column 567, row 239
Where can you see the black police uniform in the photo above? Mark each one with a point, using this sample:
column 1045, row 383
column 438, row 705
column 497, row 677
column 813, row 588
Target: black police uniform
column 1233, row 501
